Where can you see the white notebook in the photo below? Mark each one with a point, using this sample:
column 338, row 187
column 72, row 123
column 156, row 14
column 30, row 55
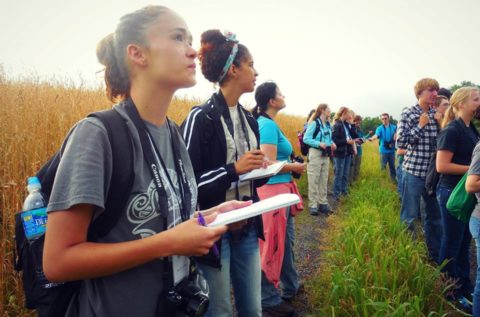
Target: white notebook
column 263, row 206
column 270, row 170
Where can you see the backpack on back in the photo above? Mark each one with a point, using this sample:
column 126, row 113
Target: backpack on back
column 52, row 299
column 304, row 147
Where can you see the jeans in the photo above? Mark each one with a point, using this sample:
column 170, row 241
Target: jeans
column 342, row 171
column 475, row 231
column 288, row 276
column 413, row 190
column 240, row 262
column 390, row 159
column 455, row 244
column 400, row 180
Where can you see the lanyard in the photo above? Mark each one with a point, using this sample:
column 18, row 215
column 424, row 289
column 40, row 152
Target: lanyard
column 153, row 157
column 231, row 130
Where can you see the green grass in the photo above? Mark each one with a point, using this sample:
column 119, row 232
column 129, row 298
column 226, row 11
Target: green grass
column 372, row 266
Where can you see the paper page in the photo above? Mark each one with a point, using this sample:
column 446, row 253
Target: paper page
column 263, row 206
column 263, row 172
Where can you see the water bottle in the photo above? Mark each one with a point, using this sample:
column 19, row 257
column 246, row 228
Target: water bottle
column 34, row 211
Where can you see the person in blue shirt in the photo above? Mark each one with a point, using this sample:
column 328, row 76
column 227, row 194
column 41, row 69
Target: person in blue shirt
column 277, row 147
column 387, row 134
column 319, row 137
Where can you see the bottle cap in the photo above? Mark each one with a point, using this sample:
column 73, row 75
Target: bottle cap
column 33, row 181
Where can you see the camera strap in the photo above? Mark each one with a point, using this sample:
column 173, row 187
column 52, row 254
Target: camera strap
column 156, row 163
column 231, row 130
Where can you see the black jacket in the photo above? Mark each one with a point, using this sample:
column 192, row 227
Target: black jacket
column 339, row 137
column 205, row 139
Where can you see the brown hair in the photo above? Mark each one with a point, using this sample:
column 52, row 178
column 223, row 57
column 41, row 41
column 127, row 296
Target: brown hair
column 340, row 113
column 357, row 118
column 111, row 50
column 439, row 99
column 214, row 52
column 318, row 112
column 425, row 83
column 459, row 97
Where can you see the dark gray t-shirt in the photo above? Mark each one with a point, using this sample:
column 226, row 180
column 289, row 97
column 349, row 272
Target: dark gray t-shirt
column 475, row 170
column 83, row 176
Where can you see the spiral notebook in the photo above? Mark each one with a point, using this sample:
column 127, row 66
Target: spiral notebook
column 258, row 208
column 270, row 170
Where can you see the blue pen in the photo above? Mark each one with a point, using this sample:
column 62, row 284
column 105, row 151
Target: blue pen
column 202, row 222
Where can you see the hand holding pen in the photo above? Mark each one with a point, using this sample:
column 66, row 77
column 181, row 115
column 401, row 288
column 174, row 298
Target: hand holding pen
column 249, row 161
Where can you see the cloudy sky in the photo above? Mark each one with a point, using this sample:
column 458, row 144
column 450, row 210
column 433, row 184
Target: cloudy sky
column 366, row 55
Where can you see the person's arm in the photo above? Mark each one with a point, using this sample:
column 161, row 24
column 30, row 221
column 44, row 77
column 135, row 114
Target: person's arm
column 445, row 166
column 68, row 256
column 472, row 185
column 308, row 137
column 213, row 182
column 447, row 142
column 269, row 138
column 270, row 151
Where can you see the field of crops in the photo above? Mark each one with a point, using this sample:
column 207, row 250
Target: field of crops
column 372, row 268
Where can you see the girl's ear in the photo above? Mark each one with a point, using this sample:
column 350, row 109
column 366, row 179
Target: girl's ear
column 136, row 55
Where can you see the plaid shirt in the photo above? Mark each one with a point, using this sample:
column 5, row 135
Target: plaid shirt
column 419, row 142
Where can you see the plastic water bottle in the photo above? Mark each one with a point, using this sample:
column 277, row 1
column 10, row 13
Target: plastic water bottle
column 34, row 213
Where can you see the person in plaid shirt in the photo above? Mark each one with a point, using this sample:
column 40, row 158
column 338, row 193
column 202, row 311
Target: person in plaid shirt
column 417, row 133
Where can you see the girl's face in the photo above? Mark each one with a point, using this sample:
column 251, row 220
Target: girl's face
column 442, row 107
column 246, row 74
column 169, row 57
column 473, row 102
column 327, row 112
column 279, row 101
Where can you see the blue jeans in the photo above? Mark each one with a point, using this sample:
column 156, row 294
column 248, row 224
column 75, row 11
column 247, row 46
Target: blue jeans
column 390, row 159
column 400, row 180
column 455, row 244
column 241, row 263
column 288, row 276
column 413, row 190
column 475, row 231
column 342, row 172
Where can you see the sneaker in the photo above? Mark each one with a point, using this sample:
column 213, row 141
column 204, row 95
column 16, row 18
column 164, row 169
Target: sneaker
column 313, row 211
column 281, row 310
column 324, row 208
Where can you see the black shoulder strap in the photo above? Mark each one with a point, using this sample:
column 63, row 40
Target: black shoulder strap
column 318, row 123
column 122, row 172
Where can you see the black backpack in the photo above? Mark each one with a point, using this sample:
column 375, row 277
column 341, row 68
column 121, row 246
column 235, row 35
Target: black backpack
column 304, row 147
column 52, row 299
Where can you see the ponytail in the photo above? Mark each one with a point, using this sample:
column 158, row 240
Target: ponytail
column 117, row 80
column 263, row 94
column 449, row 116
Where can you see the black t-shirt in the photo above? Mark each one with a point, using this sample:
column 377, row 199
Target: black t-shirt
column 456, row 137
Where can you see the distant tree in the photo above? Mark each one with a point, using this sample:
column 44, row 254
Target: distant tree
column 372, row 123
column 465, row 83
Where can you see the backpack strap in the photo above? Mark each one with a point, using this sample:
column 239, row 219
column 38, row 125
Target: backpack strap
column 122, row 172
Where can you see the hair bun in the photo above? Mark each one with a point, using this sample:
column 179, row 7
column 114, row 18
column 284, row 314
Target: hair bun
column 106, row 50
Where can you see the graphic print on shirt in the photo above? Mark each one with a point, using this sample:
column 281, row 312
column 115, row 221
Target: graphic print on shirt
column 144, row 208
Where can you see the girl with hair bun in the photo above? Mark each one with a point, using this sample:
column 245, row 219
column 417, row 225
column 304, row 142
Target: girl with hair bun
column 223, row 141
column 147, row 58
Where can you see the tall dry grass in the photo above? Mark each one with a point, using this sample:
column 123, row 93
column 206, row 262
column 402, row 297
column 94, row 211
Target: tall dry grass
column 35, row 117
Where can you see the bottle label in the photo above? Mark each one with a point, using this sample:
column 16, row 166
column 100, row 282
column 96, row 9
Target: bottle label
column 34, row 222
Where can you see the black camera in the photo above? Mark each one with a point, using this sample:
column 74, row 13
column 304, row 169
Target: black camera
column 298, row 159
column 388, row 145
column 326, row 151
column 190, row 296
